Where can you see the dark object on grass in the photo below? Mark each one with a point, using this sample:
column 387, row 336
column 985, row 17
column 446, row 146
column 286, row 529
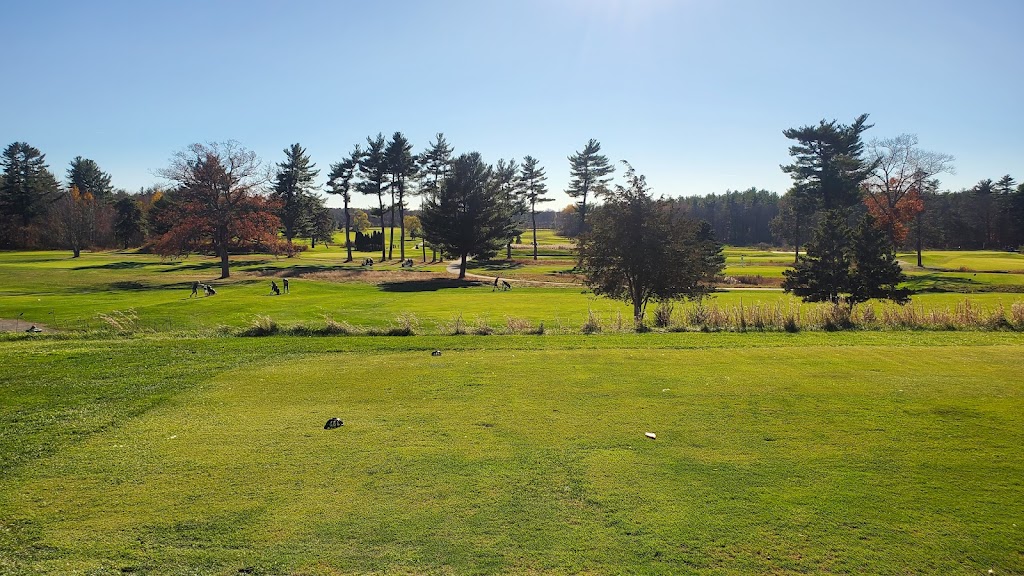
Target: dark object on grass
column 274, row 288
column 333, row 423
column 285, row 285
column 34, row 330
column 435, row 353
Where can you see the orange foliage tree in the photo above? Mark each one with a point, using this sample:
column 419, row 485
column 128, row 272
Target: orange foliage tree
column 892, row 193
column 218, row 205
column 894, row 209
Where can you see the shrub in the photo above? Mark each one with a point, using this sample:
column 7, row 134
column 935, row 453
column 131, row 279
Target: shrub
column 517, row 325
column 482, row 328
column 261, row 326
column 663, row 314
column 121, row 321
column 592, row 324
column 456, row 327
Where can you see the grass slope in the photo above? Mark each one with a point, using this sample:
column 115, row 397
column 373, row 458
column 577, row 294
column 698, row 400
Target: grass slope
column 776, row 453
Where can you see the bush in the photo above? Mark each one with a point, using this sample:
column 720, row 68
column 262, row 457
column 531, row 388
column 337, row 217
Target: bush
column 261, row 326
column 592, row 324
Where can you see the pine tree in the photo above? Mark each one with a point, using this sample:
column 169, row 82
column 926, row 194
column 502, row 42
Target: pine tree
column 434, row 164
column 293, row 189
column 129, row 222
column 373, row 171
column 86, row 175
column 875, row 273
column 823, row 275
column 27, row 191
column 340, row 182
column 402, row 166
column 829, row 165
column 467, row 216
column 532, row 177
column 505, row 179
column 590, row 174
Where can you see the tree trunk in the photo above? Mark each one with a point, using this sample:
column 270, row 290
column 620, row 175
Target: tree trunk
column 391, row 243
column 508, row 254
column 224, row 264
column 401, row 222
column 348, row 244
column 638, row 313
column 462, row 268
column 77, row 251
column 919, row 265
column 424, row 245
column 383, row 231
column 533, row 216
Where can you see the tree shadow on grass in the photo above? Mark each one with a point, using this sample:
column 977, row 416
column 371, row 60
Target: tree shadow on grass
column 431, row 285
column 124, row 265
column 235, row 264
column 494, row 265
column 938, row 282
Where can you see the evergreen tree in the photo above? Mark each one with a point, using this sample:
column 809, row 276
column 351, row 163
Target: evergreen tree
column 293, row 190
column 875, row 273
column 532, row 177
column 86, row 175
column 467, row 215
column 983, row 195
column 373, row 171
column 505, row 179
column 26, row 194
column 847, row 266
column 402, row 166
column 823, row 275
column 829, row 165
column 590, row 173
column 339, row 182
column 434, row 163
column 129, row 222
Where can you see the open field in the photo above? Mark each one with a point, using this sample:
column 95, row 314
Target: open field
column 53, row 289
column 852, row 453
column 178, row 450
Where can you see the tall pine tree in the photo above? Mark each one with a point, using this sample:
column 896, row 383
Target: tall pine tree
column 339, row 182
column 534, row 190
column 467, row 215
column 373, row 171
column 86, row 175
column 590, row 173
column 403, row 169
column 27, row 191
column 293, row 189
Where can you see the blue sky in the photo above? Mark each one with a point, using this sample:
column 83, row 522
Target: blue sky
column 694, row 94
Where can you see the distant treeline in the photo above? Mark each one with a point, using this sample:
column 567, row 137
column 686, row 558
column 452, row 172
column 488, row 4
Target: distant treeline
column 989, row 215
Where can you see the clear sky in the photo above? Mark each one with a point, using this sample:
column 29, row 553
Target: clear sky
column 695, row 94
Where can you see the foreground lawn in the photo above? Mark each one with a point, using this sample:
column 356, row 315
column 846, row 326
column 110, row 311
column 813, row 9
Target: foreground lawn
column 776, row 453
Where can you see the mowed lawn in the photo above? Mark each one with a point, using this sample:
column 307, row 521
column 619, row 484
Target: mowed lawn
column 894, row 453
column 53, row 289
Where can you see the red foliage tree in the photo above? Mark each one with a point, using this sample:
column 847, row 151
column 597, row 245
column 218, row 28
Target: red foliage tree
column 893, row 212
column 218, row 203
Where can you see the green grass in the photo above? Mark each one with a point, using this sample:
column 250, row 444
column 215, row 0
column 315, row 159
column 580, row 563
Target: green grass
column 53, row 289
column 776, row 453
column 969, row 261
